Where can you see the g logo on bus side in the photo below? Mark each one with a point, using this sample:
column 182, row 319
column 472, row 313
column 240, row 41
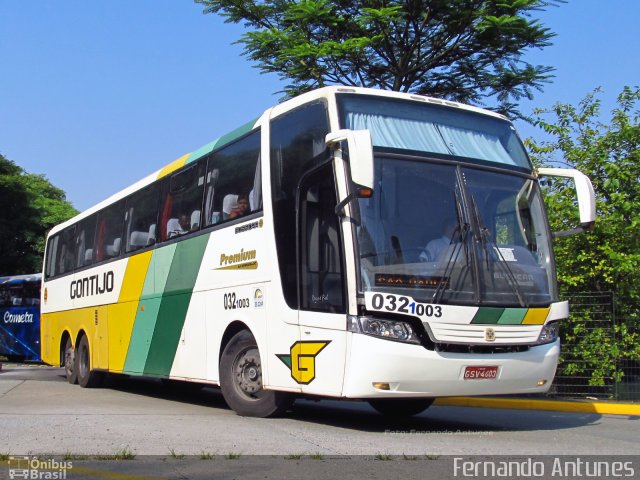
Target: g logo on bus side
column 302, row 360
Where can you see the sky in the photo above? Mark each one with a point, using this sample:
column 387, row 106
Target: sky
column 98, row 94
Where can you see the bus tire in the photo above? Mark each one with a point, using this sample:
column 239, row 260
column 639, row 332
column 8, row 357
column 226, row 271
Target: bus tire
column 86, row 377
column 69, row 363
column 241, row 380
column 400, row 407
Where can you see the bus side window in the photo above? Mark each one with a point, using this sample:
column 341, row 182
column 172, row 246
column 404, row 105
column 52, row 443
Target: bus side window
column 297, row 144
column 84, row 242
column 51, row 255
column 233, row 178
column 32, row 292
column 109, row 232
column 182, row 202
column 142, row 217
column 17, row 296
column 65, row 251
column 5, row 297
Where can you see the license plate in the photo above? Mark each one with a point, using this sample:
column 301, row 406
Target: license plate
column 480, row 373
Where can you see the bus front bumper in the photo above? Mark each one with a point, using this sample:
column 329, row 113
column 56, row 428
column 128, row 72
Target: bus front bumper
column 383, row 368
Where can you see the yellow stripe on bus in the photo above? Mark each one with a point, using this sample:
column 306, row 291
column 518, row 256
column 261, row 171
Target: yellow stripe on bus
column 123, row 314
column 173, row 166
column 536, row 316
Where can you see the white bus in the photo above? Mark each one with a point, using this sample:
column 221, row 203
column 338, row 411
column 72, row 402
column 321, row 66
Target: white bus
column 349, row 243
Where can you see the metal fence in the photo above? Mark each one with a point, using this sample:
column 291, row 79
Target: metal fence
column 578, row 376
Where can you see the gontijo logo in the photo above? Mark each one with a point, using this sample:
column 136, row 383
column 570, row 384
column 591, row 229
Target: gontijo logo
column 93, row 285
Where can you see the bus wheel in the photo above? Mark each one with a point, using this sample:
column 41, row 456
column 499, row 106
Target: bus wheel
column 241, row 380
column 69, row 363
column 400, row 407
column 86, row 377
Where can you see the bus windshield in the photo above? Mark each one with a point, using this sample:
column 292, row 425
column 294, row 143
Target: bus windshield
column 446, row 233
column 436, row 129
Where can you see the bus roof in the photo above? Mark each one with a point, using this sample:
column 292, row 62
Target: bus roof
column 325, row 92
column 16, row 279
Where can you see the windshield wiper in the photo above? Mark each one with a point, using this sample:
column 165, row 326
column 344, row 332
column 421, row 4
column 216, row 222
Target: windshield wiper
column 462, row 231
column 485, row 240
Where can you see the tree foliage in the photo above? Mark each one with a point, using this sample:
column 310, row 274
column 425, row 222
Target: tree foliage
column 606, row 259
column 464, row 50
column 31, row 205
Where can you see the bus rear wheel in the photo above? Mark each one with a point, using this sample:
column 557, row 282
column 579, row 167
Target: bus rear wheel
column 69, row 362
column 241, row 380
column 400, row 407
column 86, row 377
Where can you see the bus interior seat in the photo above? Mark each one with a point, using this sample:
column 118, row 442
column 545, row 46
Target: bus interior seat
column 152, row 234
column 173, row 228
column 88, row 256
column 114, row 249
column 228, row 204
column 138, row 239
column 195, row 220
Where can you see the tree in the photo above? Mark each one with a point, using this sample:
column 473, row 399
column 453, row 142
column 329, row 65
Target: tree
column 31, row 205
column 606, row 259
column 463, row 50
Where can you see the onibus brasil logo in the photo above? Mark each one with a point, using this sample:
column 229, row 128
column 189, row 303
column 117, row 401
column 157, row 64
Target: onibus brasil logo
column 302, row 360
column 34, row 468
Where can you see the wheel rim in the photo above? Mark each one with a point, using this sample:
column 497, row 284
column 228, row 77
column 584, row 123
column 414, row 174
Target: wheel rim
column 247, row 370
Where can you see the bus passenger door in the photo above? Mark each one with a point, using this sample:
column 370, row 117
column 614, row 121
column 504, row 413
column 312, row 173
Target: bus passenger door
column 322, row 319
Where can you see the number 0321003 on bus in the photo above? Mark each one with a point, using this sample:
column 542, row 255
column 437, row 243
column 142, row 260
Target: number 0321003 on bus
column 348, row 243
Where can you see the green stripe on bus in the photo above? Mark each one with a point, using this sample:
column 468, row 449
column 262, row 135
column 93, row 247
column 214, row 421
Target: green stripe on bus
column 488, row 315
column 147, row 315
column 201, row 152
column 513, row 316
column 175, row 302
column 141, row 336
column 235, row 134
column 223, row 140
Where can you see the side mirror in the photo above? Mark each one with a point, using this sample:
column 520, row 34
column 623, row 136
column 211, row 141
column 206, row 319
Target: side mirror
column 584, row 191
column 360, row 154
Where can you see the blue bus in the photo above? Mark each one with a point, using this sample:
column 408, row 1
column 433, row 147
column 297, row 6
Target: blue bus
column 20, row 317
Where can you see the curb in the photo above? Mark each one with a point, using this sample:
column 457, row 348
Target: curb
column 604, row 408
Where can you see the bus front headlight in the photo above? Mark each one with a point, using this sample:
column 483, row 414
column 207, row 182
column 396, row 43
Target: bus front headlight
column 388, row 329
column 549, row 333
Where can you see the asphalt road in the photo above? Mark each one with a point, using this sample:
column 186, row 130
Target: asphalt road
column 40, row 413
